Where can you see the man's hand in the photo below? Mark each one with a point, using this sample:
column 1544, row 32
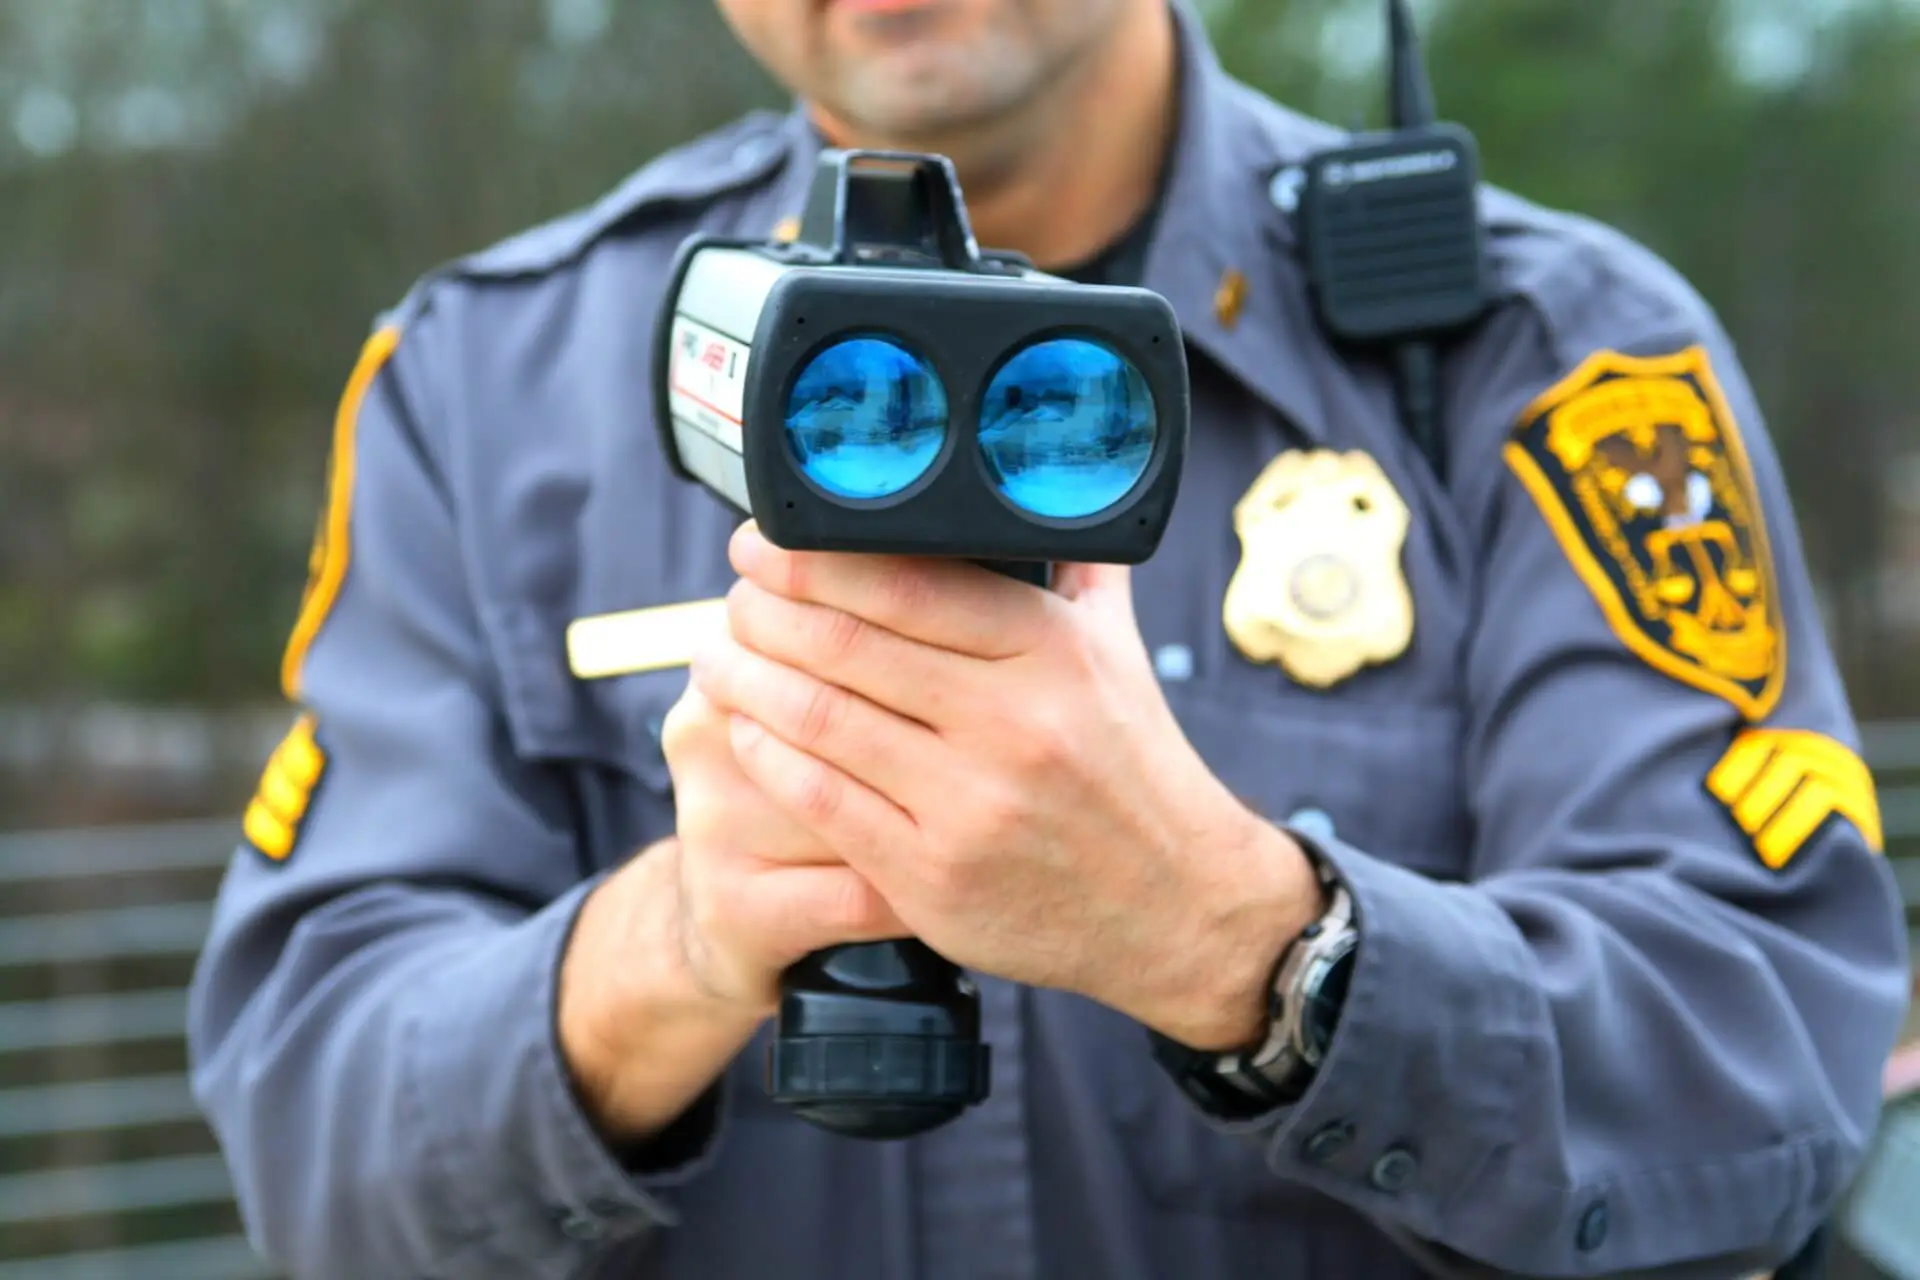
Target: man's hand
column 758, row 889
column 999, row 763
column 676, row 958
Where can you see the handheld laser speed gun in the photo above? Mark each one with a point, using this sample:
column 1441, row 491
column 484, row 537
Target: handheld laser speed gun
column 879, row 384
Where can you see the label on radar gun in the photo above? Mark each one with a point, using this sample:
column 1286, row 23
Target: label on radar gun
column 707, row 382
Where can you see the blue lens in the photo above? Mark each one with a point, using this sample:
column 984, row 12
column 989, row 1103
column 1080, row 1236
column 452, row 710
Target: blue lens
column 1067, row 428
column 866, row 418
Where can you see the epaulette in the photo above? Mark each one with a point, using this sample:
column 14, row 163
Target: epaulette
column 1563, row 264
column 715, row 164
column 712, row 165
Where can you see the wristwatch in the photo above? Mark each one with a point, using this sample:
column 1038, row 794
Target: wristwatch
column 1305, row 996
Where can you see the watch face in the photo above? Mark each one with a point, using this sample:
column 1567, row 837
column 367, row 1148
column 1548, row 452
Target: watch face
column 1320, row 1013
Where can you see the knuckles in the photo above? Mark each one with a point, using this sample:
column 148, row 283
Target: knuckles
column 818, row 793
column 1042, row 743
column 902, row 591
column 823, row 711
column 998, row 821
column 836, row 638
column 958, row 866
column 692, row 729
column 1037, row 738
column 700, row 817
column 852, row 909
column 1078, row 650
column 677, row 728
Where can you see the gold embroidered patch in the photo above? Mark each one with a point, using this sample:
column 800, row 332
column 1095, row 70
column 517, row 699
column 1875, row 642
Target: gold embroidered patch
column 280, row 802
column 1781, row 786
column 1639, row 469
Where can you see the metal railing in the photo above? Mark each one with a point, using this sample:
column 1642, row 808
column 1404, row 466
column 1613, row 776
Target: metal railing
column 106, row 1168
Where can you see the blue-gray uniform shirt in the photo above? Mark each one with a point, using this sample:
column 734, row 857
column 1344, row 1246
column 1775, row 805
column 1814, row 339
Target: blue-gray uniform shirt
column 1629, row 968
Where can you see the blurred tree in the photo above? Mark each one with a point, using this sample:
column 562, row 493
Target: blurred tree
column 204, row 202
column 1779, row 184
column 194, row 299
column 1759, row 146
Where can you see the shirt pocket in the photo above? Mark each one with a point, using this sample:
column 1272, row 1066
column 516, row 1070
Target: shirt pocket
column 1385, row 780
column 1386, row 777
column 601, row 738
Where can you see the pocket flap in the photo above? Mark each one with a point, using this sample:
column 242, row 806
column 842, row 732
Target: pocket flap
column 1386, row 778
column 554, row 716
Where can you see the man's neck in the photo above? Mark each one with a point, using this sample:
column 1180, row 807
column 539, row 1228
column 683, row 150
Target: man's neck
column 1072, row 172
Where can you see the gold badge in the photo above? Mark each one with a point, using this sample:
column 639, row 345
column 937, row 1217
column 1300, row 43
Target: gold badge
column 1320, row 589
column 619, row 644
column 1781, row 786
column 1638, row 467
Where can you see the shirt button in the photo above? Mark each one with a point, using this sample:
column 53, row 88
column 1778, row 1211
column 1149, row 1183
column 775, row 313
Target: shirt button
column 1173, row 662
column 1328, row 1142
column 1284, row 190
column 1592, row 1232
column 1393, row 1170
column 1314, row 824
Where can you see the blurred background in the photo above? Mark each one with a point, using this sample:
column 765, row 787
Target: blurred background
column 204, row 202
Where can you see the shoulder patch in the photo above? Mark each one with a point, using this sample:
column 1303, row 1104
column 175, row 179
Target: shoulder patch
column 1781, row 786
column 1638, row 467
column 285, row 791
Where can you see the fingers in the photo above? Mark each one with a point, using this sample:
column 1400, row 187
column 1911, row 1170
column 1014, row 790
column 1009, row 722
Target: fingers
column 759, row 887
column 948, row 604
column 743, row 922
column 716, row 807
column 905, row 676
column 865, row 828
column 798, row 910
column 872, row 744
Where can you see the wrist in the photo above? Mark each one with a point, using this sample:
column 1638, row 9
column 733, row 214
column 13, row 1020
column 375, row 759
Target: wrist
column 642, row 1038
column 1272, row 893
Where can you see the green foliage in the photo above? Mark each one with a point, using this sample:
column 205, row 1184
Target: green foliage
column 204, row 207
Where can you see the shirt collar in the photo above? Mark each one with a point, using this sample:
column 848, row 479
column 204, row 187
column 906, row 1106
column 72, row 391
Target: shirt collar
column 1221, row 235
column 1222, row 252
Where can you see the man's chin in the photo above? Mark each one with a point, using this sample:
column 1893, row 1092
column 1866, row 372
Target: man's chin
column 921, row 98
column 912, row 116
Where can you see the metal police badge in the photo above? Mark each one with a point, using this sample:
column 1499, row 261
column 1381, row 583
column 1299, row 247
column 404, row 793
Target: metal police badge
column 1320, row 589
column 1638, row 467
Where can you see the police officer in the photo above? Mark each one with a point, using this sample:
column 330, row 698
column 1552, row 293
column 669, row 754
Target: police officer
column 1543, row 757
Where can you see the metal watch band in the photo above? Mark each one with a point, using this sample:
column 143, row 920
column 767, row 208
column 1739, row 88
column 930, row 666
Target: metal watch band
column 1276, row 1071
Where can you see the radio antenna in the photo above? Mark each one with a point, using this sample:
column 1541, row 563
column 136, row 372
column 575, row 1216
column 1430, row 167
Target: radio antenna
column 1410, row 92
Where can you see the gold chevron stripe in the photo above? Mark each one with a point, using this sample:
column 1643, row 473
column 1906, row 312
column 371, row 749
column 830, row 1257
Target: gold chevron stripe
column 279, row 804
column 1781, row 786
